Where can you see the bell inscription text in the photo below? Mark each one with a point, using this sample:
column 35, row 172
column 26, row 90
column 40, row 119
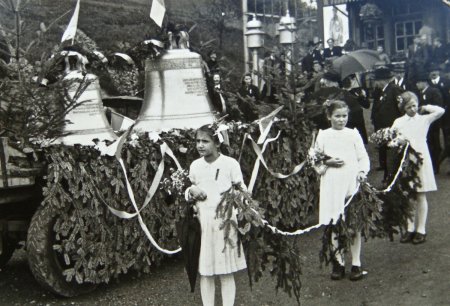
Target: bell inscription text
column 195, row 86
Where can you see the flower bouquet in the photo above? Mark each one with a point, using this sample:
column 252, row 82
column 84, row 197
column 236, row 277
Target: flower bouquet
column 177, row 183
column 316, row 159
column 388, row 136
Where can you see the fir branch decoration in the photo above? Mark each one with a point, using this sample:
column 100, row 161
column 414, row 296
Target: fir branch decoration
column 363, row 214
column 397, row 207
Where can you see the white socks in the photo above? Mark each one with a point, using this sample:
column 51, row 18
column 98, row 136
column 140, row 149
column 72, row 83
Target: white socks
column 228, row 289
column 355, row 250
column 419, row 215
column 207, row 289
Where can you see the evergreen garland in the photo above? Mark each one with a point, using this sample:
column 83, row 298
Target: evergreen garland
column 96, row 246
column 397, row 207
column 363, row 214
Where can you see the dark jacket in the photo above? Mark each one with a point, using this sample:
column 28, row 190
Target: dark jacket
column 444, row 87
column 336, row 51
column 250, row 91
column 385, row 109
column 355, row 115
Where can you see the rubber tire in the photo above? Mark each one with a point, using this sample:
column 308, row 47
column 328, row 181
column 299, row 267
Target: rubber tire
column 43, row 260
column 9, row 246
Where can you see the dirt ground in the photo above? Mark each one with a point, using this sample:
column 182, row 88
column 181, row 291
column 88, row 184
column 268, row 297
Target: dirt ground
column 398, row 274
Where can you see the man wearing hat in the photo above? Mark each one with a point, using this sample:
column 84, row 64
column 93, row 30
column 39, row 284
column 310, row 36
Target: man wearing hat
column 443, row 84
column 431, row 95
column 399, row 76
column 384, row 109
column 329, row 90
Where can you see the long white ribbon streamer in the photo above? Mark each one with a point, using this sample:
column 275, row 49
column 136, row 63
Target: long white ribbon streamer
column 302, row 231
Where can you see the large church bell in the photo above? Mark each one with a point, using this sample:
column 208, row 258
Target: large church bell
column 175, row 93
column 87, row 121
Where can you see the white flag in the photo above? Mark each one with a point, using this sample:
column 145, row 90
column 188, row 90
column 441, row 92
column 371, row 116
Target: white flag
column 157, row 11
column 71, row 29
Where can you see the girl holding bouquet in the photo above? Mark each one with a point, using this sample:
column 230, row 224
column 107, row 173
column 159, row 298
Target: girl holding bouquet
column 211, row 175
column 348, row 164
column 413, row 126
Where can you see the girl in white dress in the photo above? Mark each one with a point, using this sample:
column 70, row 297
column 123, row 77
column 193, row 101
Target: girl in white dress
column 414, row 127
column 349, row 163
column 211, row 175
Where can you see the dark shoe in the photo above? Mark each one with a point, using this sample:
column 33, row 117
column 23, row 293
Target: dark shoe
column 356, row 273
column 407, row 237
column 419, row 238
column 338, row 272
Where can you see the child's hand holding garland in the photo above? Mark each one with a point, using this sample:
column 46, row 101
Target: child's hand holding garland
column 361, row 177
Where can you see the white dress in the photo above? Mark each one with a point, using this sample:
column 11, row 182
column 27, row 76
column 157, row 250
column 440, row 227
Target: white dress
column 336, row 184
column 215, row 178
column 415, row 130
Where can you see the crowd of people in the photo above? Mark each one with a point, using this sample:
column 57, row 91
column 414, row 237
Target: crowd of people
column 411, row 97
column 423, row 72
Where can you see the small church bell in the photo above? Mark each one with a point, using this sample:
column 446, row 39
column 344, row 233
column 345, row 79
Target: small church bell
column 88, row 120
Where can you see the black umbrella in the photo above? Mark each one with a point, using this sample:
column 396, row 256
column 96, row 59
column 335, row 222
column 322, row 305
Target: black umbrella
column 189, row 236
column 356, row 61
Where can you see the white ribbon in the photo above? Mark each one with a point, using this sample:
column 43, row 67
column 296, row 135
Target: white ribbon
column 114, row 149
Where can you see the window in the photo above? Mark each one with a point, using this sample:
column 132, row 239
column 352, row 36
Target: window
column 405, row 32
column 373, row 35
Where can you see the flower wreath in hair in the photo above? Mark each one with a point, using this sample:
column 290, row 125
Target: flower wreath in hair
column 220, row 128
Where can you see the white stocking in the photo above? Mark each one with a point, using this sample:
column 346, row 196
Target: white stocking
column 339, row 257
column 355, row 249
column 207, row 290
column 228, row 289
column 422, row 212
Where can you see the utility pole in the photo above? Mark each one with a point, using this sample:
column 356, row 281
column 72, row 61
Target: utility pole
column 244, row 24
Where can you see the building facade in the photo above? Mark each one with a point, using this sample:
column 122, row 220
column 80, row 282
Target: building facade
column 392, row 24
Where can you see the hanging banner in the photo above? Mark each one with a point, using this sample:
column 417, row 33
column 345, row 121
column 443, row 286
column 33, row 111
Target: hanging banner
column 335, row 24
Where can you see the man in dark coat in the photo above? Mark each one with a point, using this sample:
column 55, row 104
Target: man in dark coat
column 355, row 97
column 318, row 52
column 419, row 55
column 443, row 84
column 399, row 77
column 384, row 109
column 431, row 95
column 332, row 50
column 216, row 93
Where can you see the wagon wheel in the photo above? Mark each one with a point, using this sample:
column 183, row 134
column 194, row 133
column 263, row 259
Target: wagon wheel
column 46, row 264
column 8, row 247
